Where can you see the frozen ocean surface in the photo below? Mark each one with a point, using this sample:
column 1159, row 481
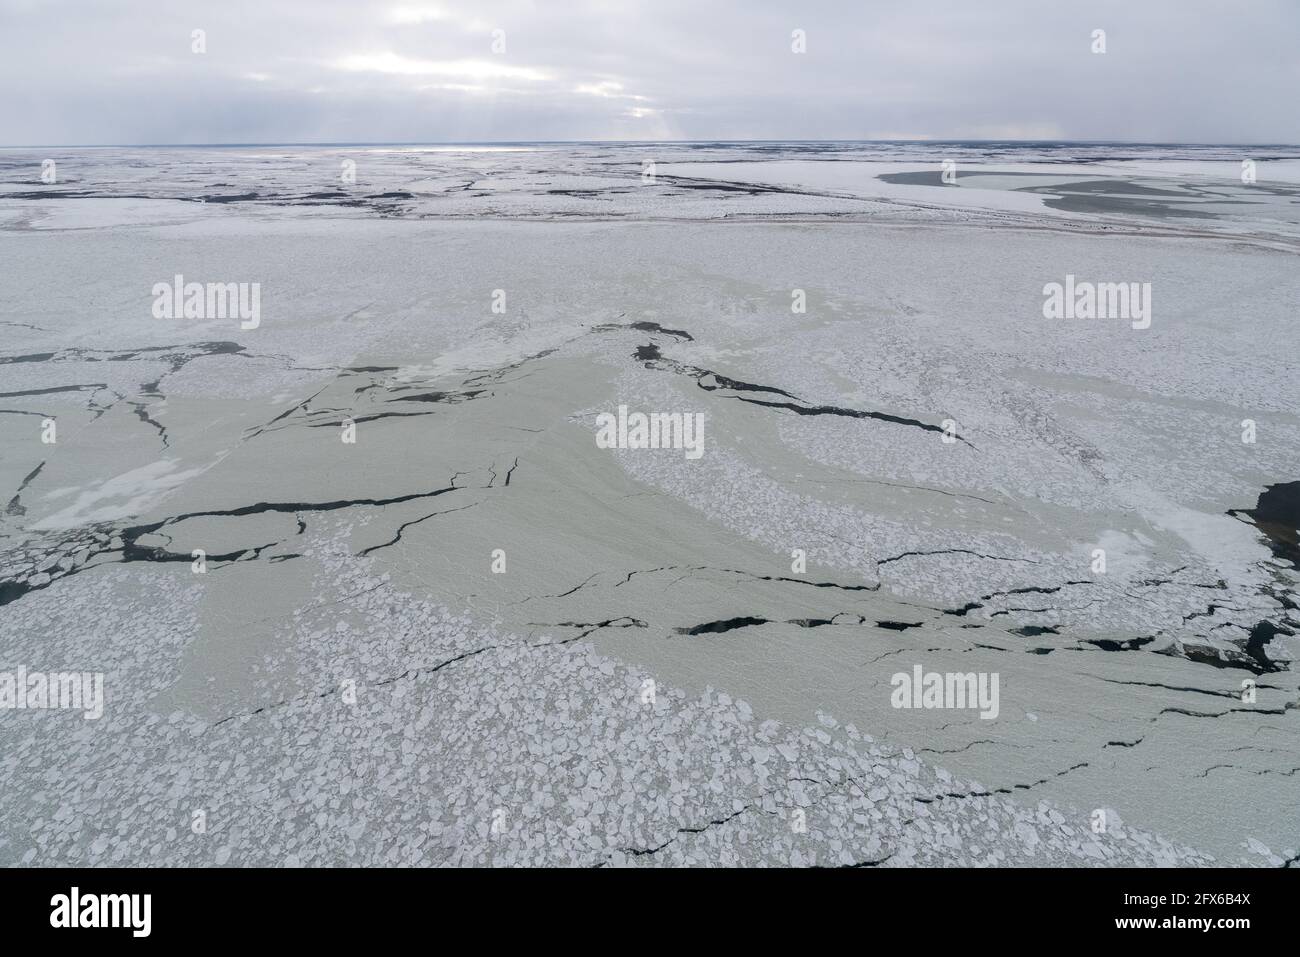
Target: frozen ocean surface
column 434, row 620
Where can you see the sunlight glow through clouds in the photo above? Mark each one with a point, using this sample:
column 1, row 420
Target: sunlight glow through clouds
column 457, row 88
column 394, row 63
column 409, row 14
column 608, row 89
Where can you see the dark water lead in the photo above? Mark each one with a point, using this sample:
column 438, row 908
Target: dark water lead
column 1277, row 516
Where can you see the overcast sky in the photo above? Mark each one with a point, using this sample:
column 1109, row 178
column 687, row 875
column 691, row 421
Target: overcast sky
column 93, row 71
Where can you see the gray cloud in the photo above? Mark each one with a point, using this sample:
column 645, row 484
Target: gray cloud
column 79, row 71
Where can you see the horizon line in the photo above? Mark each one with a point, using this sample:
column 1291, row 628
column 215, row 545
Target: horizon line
column 620, row 142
